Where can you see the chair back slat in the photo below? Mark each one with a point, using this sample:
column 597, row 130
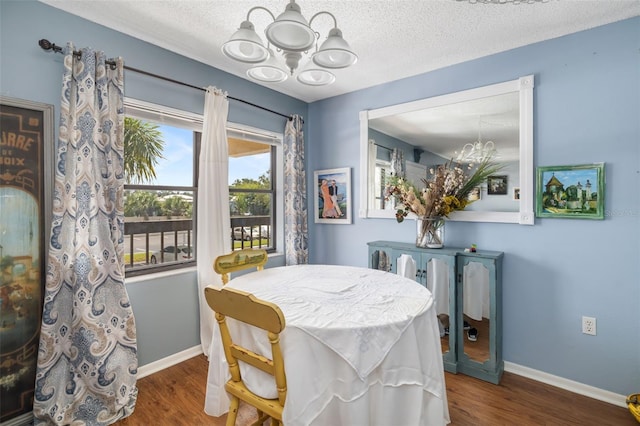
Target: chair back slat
column 258, row 361
column 239, row 260
column 245, row 307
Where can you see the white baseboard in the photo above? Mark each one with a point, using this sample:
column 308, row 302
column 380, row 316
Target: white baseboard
column 161, row 364
column 566, row 384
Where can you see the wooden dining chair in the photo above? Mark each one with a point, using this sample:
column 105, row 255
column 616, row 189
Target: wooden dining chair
column 245, row 307
column 239, row 260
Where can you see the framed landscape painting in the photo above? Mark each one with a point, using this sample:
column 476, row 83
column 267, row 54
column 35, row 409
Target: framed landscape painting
column 571, row 191
column 332, row 195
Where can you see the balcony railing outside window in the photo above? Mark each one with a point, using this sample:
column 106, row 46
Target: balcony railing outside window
column 168, row 243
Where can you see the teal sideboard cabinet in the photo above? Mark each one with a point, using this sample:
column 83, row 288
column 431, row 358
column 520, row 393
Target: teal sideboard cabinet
column 467, row 291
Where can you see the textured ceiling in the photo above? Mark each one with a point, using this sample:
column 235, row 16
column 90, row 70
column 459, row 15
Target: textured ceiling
column 393, row 39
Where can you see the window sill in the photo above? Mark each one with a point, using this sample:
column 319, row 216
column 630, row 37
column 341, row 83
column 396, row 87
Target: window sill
column 157, row 275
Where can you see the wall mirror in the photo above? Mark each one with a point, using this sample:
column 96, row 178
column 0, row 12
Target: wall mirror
column 432, row 131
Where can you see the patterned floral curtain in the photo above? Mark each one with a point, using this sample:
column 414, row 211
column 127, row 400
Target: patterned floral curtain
column 295, row 195
column 397, row 163
column 87, row 361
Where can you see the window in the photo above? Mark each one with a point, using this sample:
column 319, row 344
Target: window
column 381, row 179
column 161, row 175
column 160, row 187
column 252, row 188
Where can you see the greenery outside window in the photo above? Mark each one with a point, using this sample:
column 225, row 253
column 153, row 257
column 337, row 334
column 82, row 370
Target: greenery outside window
column 252, row 188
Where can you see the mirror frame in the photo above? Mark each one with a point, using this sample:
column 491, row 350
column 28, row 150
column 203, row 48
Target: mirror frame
column 523, row 85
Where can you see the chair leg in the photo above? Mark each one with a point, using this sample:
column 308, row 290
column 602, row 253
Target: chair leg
column 233, row 411
column 262, row 417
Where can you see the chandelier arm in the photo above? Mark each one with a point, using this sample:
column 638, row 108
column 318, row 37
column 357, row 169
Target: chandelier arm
column 335, row 22
column 263, row 8
column 316, row 42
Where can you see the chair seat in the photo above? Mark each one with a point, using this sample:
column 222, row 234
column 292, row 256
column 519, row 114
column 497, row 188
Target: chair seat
column 270, row 407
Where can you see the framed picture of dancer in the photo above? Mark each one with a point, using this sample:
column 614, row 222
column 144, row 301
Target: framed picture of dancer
column 332, row 195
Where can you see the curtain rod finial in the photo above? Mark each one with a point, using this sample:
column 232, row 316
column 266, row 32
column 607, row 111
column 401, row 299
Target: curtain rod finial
column 45, row 44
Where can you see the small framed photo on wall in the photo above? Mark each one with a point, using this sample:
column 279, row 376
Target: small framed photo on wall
column 332, row 195
column 497, row 185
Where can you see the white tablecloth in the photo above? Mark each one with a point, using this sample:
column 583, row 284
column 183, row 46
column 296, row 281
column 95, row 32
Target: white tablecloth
column 361, row 347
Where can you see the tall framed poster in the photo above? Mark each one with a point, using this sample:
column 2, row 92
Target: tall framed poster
column 26, row 151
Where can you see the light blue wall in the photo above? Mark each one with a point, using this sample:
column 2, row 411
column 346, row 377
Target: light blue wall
column 587, row 96
column 166, row 309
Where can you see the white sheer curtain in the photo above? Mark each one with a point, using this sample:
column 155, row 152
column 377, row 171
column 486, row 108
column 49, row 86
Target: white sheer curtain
column 214, row 223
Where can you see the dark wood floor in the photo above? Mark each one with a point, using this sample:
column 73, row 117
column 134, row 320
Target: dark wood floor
column 175, row 397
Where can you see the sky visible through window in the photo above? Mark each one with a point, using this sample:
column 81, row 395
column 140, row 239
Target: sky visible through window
column 176, row 168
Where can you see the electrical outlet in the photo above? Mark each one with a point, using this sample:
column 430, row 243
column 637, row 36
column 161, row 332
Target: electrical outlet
column 589, row 325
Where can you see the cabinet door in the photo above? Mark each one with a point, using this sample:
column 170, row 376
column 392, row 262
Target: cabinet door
column 438, row 273
column 479, row 338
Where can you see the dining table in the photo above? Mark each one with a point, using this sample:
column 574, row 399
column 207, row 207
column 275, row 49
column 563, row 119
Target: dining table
column 361, row 347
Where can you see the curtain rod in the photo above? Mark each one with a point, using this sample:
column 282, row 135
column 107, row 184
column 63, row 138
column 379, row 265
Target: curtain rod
column 382, row 146
column 47, row 45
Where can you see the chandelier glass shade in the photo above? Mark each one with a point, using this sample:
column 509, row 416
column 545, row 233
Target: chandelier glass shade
column 245, row 45
column 269, row 71
column 312, row 75
column 334, row 52
column 292, row 36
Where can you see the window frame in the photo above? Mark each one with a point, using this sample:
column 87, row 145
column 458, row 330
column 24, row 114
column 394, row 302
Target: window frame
column 276, row 178
column 161, row 114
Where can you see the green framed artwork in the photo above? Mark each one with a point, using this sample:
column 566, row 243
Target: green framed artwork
column 571, row 191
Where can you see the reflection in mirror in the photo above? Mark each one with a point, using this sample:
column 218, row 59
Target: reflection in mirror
column 380, row 260
column 438, row 285
column 408, row 139
column 476, row 311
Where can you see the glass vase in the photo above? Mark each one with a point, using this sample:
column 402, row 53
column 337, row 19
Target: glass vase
column 430, row 232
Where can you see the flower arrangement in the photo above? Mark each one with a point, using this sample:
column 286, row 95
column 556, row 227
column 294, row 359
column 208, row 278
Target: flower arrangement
column 446, row 189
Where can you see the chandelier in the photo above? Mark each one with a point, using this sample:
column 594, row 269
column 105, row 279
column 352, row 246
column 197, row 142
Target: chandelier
column 292, row 36
column 477, row 152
